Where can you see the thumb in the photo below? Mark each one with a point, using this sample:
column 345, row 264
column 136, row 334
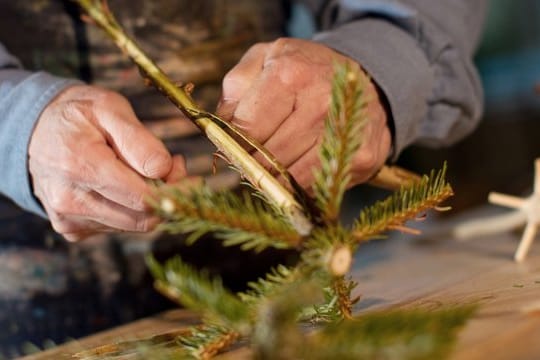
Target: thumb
column 135, row 145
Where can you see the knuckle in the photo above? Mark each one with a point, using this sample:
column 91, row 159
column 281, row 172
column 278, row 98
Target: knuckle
column 101, row 95
column 235, row 79
column 124, row 138
column 104, row 100
column 289, row 70
column 239, row 76
column 367, row 159
column 258, row 47
column 63, row 226
column 303, row 178
column 73, row 110
column 60, row 202
column 365, row 164
column 320, row 111
column 279, row 45
column 284, row 70
column 86, row 173
column 74, row 168
column 247, row 124
column 69, row 203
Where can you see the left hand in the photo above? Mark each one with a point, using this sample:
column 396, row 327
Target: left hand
column 89, row 158
column 279, row 93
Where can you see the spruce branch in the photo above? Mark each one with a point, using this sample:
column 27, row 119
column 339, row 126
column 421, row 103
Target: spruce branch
column 326, row 258
column 402, row 205
column 278, row 336
column 196, row 343
column 162, row 346
column 329, row 249
column 273, row 282
column 342, row 138
column 238, row 220
column 197, row 291
column 219, row 132
column 342, row 290
column 317, row 287
column 206, row 341
column 337, row 303
column 393, row 334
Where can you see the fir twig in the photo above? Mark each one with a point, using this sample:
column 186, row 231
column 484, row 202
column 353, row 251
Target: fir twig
column 278, row 336
column 401, row 206
column 238, row 220
column 269, row 285
column 342, row 138
column 342, row 290
column 206, row 341
column 337, row 305
column 329, row 249
column 267, row 313
column 199, row 342
column 163, row 346
column 199, row 292
column 394, row 334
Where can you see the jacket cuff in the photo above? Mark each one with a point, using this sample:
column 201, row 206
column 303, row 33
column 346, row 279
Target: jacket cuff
column 23, row 97
column 397, row 65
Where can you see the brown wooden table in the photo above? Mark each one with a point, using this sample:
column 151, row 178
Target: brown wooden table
column 434, row 270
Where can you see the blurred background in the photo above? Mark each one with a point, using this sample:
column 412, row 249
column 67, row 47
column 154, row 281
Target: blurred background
column 51, row 291
column 499, row 155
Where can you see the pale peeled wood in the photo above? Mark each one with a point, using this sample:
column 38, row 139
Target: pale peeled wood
column 505, row 200
column 526, row 242
column 393, row 178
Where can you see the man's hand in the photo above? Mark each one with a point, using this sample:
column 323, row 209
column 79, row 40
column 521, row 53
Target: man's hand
column 279, row 93
column 89, row 157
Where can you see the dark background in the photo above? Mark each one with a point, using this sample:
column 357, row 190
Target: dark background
column 499, row 155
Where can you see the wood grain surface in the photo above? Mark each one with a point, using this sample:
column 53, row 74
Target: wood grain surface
column 430, row 271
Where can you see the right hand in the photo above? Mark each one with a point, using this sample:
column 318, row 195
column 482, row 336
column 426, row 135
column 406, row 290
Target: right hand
column 279, row 94
column 89, row 158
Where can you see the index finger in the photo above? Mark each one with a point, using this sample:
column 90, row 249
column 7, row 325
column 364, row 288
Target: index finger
column 114, row 180
column 240, row 78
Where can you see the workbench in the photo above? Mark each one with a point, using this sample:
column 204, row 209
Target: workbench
column 433, row 270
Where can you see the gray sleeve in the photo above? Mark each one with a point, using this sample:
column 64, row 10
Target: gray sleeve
column 419, row 52
column 23, row 96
